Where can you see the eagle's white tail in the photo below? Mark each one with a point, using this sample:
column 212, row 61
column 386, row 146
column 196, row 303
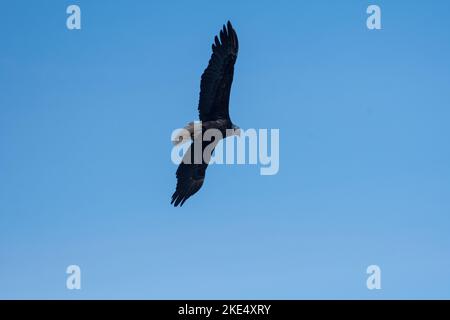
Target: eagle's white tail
column 186, row 134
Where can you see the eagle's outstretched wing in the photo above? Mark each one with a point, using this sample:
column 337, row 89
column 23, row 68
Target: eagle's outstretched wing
column 190, row 175
column 215, row 85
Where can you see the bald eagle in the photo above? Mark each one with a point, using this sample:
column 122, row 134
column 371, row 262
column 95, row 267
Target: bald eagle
column 213, row 108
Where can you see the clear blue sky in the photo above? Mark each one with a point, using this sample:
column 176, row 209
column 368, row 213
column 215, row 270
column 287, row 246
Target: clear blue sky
column 86, row 176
